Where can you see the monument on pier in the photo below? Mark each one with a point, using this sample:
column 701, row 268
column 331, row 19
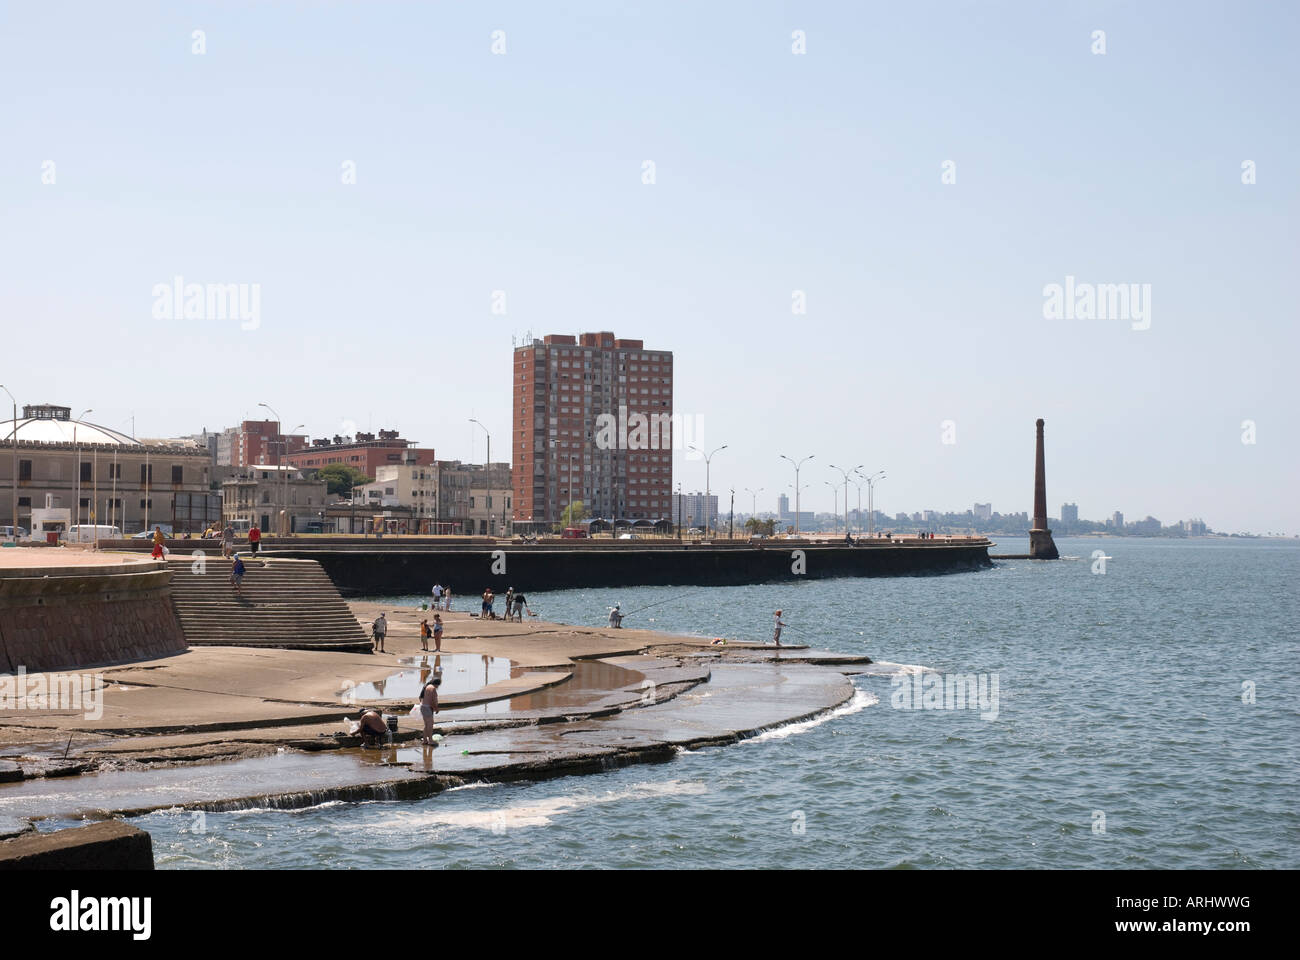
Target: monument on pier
column 1041, row 545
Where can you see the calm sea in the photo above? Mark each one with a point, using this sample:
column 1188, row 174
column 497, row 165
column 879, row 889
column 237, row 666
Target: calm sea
column 1148, row 716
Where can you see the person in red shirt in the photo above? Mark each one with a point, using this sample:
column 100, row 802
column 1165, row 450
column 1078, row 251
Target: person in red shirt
column 254, row 538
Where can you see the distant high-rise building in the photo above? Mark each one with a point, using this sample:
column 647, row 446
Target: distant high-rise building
column 983, row 511
column 1069, row 513
column 592, row 421
column 260, row 442
column 1116, row 520
column 227, row 445
column 783, row 506
column 695, row 509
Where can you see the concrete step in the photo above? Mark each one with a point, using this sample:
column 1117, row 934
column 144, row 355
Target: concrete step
column 291, row 604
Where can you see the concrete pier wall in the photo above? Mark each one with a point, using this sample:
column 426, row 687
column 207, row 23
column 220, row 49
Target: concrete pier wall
column 395, row 569
column 63, row 618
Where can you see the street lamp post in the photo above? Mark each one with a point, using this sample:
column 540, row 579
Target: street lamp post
column 845, row 474
column 77, row 486
column 871, row 502
column 708, row 461
column 278, row 422
column 858, row 483
column 287, row 529
column 491, row 518
column 796, row 485
column 835, row 505
column 14, row 441
column 753, row 505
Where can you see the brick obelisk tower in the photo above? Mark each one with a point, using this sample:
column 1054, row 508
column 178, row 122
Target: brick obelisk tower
column 1041, row 545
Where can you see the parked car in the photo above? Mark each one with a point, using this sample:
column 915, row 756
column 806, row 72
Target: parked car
column 628, row 536
column 7, row 533
column 146, row 534
column 574, row 533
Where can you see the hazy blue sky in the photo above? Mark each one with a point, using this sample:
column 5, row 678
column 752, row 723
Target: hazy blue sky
column 774, row 172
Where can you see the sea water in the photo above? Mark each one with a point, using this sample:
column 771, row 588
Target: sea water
column 1148, row 717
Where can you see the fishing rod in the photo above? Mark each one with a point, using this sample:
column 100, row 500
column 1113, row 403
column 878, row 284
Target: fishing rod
column 657, row 602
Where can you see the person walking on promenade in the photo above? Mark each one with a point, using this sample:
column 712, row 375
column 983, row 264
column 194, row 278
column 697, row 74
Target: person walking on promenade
column 429, row 706
column 776, row 635
column 437, row 633
column 157, row 543
column 425, row 633
column 379, row 629
column 437, row 595
column 520, row 603
column 237, row 575
column 446, row 600
column 228, row 541
column 615, row 617
column 254, row 538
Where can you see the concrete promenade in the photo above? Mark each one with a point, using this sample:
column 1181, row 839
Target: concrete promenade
column 219, row 726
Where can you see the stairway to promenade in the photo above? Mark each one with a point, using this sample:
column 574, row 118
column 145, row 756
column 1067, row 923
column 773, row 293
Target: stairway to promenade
column 291, row 604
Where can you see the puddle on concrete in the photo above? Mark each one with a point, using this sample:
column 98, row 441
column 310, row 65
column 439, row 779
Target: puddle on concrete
column 461, row 673
column 193, row 783
column 592, row 680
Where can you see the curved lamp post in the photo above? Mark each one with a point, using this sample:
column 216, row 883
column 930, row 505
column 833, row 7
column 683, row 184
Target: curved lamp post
column 797, row 488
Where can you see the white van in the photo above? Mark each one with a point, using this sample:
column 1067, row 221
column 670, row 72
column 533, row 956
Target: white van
column 7, row 534
column 90, row 532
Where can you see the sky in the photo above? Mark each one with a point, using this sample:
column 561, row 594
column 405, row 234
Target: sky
column 380, row 170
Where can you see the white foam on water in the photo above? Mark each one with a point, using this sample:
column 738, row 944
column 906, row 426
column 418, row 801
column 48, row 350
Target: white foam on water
column 859, row 702
column 884, row 668
column 539, row 813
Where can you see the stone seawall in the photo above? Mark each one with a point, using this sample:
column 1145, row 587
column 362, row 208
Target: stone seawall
column 63, row 618
column 108, row 845
column 394, row 569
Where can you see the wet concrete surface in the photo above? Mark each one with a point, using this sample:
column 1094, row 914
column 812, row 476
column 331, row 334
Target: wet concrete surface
column 220, row 726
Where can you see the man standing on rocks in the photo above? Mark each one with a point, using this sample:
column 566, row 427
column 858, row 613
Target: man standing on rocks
column 380, row 630
column 429, row 706
column 776, row 636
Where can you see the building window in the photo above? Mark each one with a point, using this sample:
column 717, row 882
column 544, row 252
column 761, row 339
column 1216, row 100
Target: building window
column 146, row 473
column 85, row 472
column 25, row 501
column 146, row 503
column 25, row 470
column 178, row 474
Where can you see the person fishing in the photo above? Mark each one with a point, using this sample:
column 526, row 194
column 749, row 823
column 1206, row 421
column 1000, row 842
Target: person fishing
column 615, row 617
column 776, row 635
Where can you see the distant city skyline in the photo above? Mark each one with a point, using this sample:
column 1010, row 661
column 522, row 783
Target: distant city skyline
column 897, row 246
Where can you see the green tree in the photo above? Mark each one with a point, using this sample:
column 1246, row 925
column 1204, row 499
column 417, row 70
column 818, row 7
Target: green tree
column 341, row 478
column 573, row 514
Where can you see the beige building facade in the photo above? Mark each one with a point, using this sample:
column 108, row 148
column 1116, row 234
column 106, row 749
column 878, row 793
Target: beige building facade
column 101, row 475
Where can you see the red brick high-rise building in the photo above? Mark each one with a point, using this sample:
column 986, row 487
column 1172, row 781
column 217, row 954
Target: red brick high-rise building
column 592, row 421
